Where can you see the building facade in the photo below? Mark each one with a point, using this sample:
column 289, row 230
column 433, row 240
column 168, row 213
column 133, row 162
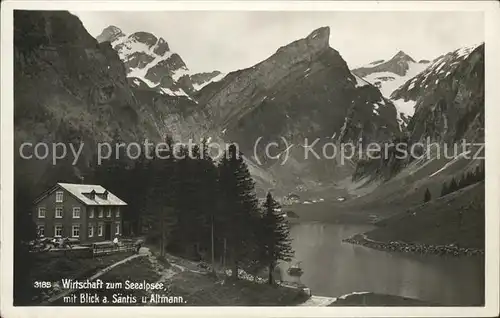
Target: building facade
column 85, row 212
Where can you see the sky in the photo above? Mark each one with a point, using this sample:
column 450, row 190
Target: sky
column 228, row 41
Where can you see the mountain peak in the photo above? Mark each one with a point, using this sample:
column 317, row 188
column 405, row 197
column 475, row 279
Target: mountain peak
column 145, row 37
column 320, row 35
column 403, row 56
column 109, row 33
column 317, row 41
column 148, row 59
column 113, row 29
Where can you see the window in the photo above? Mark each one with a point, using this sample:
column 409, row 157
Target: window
column 101, row 213
column 59, row 196
column 58, row 230
column 108, row 212
column 117, row 228
column 40, row 230
column 41, row 212
column 59, row 212
column 91, row 230
column 117, row 212
column 91, row 213
column 76, row 212
column 75, row 230
column 99, row 230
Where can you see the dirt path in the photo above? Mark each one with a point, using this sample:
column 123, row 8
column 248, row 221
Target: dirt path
column 66, row 292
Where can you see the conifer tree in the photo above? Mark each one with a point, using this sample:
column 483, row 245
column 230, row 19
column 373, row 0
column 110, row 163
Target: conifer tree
column 477, row 172
column 161, row 196
column 480, row 172
column 275, row 238
column 462, row 183
column 208, row 196
column 453, row 186
column 444, row 189
column 192, row 214
column 138, row 191
column 238, row 210
column 427, row 195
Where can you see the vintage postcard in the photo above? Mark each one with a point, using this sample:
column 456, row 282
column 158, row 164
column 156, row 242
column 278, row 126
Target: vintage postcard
column 250, row 158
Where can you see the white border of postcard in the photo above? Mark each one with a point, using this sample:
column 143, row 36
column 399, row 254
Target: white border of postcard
column 492, row 28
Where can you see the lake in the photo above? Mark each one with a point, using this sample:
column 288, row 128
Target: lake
column 333, row 268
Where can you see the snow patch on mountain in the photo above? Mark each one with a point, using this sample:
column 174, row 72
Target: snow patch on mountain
column 404, row 108
column 150, row 59
column 388, row 82
column 217, row 78
column 389, row 75
column 405, row 97
column 360, row 82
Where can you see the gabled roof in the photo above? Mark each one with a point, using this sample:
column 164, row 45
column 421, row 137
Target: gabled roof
column 79, row 191
column 82, row 191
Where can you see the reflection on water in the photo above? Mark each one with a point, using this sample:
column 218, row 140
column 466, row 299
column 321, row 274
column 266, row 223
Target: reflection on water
column 334, row 268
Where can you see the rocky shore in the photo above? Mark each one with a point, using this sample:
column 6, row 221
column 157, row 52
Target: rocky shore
column 417, row 248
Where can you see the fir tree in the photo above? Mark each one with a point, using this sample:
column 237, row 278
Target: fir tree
column 480, row 172
column 427, row 195
column 138, row 191
column 238, row 210
column 208, row 196
column 477, row 172
column 461, row 183
column 276, row 242
column 190, row 211
column 444, row 189
column 161, row 195
column 453, row 186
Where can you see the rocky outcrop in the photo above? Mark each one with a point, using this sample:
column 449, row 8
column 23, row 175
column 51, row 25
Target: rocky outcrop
column 200, row 80
column 71, row 89
column 448, row 97
column 303, row 92
column 390, row 75
column 150, row 59
column 398, row 64
column 110, row 34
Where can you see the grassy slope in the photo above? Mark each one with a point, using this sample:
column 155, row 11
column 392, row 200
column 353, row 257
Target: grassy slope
column 203, row 290
column 408, row 187
column 136, row 270
column 55, row 268
column 437, row 221
column 196, row 289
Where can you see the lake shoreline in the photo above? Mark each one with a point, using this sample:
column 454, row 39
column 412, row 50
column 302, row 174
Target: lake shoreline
column 413, row 248
column 332, row 268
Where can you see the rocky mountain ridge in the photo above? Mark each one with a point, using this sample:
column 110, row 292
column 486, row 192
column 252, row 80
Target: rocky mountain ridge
column 150, row 60
column 451, row 92
column 390, row 75
column 304, row 91
column 70, row 88
column 448, row 98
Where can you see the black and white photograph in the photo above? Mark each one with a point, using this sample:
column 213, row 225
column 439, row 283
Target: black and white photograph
column 286, row 157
